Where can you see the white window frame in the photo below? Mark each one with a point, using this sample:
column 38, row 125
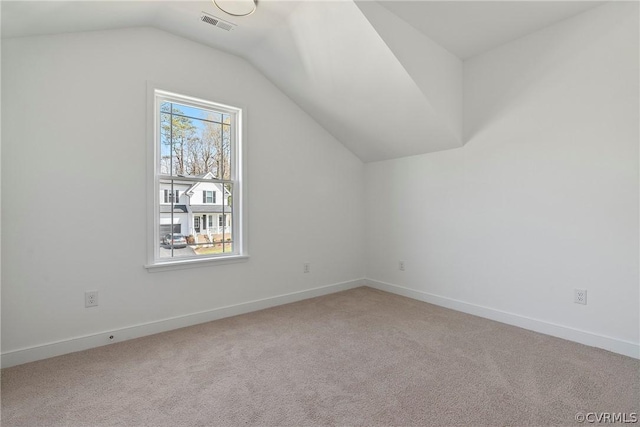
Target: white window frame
column 155, row 97
column 206, row 197
column 166, row 197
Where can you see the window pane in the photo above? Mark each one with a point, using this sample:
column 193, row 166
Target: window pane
column 217, row 238
column 228, row 235
column 192, row 141
column 209, row 145
column 173, row 232
column 226, row 150
column 167, row 159
column 194, row 112
column 227, row 228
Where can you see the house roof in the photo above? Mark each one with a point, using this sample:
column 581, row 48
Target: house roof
column 210, row 209
column 207, row 175
column 176, row 209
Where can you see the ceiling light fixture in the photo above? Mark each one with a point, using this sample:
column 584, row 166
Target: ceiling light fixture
column 236, row 7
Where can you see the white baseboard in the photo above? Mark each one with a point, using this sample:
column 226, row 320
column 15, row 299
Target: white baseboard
column 615, row 345
column 44, row 351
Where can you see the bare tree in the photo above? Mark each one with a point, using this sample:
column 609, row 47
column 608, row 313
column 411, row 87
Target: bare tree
column 215, row 149
column 177, row 132
column 196, row 150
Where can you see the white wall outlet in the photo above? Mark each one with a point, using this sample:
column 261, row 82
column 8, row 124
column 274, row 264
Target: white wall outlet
column 306, row 268
column 91, row 298
column 580, row 296
column 401, row 265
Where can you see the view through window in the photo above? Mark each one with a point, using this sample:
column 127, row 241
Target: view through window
column 196, row 178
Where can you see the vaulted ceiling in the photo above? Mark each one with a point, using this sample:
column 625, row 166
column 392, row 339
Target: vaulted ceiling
column 383, row 77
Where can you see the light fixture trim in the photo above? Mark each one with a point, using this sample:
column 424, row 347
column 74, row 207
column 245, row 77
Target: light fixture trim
column 236, row 7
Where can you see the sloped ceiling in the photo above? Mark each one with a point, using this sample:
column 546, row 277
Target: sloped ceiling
column 385, row 78
column 344, row 74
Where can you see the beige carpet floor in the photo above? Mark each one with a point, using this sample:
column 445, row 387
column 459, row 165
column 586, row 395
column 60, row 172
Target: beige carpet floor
column 356, row 358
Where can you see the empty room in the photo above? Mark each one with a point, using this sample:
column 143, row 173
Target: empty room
column 319, row 213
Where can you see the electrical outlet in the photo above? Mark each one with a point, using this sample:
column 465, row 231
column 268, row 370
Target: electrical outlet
column 401, row 265
column 306, row 267
column 580, row 296
column 91, row 298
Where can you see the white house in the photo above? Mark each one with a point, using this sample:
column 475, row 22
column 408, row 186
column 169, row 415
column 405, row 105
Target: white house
column 202, row 210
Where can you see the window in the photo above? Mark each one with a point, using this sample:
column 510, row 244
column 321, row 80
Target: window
column 208, row 197
column 221, row 221
column 197, row 153
column 166, row 196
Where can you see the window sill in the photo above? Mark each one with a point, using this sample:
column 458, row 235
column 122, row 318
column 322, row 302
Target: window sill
column 192, row 263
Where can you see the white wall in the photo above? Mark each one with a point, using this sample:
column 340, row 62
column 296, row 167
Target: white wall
column 436, row 71
column 74, row 123
column 542, row 199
